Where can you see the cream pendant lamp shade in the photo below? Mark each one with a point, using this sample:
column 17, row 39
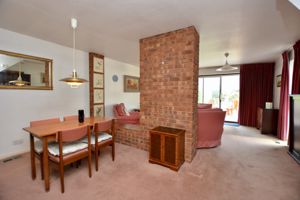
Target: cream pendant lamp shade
column 19, row 81
column 226, row 67
column 74, row 81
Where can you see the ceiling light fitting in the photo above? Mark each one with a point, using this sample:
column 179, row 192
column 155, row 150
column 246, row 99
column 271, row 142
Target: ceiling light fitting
column 19, row 81
column 226, row 67
column 74, row 81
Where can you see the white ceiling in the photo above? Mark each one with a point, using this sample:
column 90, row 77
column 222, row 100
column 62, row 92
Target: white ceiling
column 250, row 30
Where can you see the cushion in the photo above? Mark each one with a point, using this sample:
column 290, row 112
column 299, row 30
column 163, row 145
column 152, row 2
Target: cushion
column 101, row 137
column 53, row 148
column 38, row 146
column 126, row 112
column 121, row 109
column 204, row 106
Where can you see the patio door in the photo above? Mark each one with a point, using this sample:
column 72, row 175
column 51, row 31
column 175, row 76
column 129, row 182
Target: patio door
column 221, row 91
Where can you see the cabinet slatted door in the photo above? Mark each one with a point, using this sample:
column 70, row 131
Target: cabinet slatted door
column 169, row 149
column 155, row 151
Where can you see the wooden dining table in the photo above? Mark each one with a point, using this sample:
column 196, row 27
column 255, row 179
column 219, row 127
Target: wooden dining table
column 48, row 133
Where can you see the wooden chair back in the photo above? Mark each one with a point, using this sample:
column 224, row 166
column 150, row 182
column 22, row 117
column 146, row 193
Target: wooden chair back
column 108, row 127
column 71, row 135
column 44, row 122
column 105, row 126
column 74, row 134
column 71, row 118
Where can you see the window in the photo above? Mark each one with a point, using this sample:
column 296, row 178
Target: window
column 221, row 91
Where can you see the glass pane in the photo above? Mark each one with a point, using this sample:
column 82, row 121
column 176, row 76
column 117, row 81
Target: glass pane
column 200, row 90
column 212, row 91
column 230, row 96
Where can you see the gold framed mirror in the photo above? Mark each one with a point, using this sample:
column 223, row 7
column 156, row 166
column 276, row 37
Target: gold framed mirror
column 19, row 71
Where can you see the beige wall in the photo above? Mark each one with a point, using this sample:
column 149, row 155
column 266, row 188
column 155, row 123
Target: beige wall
column 19, row 107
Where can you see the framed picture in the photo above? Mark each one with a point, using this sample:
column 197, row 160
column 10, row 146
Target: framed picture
column 98, row 64
column 98, row 80
column 98, row 96
column 131, row 84
column 96, row 90
column 99, row 110
column 278, row 80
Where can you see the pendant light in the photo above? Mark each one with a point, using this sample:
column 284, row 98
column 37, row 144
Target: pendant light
column 226, row 67
column 19, row 81
column 74, row 81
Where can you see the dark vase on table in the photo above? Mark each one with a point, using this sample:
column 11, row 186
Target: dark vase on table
column 81, row 116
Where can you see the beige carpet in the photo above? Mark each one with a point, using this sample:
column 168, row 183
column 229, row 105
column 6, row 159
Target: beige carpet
column 246, row 166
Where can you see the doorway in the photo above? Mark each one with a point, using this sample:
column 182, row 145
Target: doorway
column 222, row 91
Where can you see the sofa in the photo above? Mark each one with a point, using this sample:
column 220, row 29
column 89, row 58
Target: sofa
column 204, row 105
column 210, row 127
column 125, row 117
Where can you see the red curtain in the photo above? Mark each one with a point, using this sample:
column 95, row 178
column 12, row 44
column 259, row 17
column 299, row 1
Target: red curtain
column 284, row 99
column 296, row 72
column 256, row 88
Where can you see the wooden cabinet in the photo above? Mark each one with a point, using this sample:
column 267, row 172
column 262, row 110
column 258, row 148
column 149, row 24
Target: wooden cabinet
column 167, row 147
column 267, row 121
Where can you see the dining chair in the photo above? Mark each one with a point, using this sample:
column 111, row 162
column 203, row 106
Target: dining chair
column 103, row 135
column 38, row 145
column 70, row 117
column 69, row 149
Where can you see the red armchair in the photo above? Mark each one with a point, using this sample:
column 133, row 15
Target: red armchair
column 210, row 127
column 124, row 117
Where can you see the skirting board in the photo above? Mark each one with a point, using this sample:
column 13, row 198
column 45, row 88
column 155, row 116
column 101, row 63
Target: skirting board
column 7, row 156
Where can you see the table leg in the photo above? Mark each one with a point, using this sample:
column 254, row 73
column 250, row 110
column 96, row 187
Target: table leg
column 46, row 166
column 33, row 170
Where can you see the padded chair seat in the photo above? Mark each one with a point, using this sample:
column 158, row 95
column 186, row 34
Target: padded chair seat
column 101, row 137
column 67, row 148
column 38, row 146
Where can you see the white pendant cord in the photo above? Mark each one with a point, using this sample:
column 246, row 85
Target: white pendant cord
column 20, row 77
column 74, row 64
column 226, row 55
column 19, row 69
column 74, row 81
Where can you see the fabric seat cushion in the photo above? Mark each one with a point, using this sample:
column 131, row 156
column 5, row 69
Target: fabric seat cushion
column 68, row 148
column 38, row 146
column 101, row 137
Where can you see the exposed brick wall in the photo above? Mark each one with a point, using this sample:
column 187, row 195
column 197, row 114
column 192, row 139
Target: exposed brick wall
column 169, row 83
column 134, row 135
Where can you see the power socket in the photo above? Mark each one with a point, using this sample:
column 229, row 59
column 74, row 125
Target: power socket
column 18, row 142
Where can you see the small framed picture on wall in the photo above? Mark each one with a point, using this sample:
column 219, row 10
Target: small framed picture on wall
column 98, row 80
column 98, row 96
column 131, row 84
column 98, row 65
column 278, row 80
column 98, row 110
